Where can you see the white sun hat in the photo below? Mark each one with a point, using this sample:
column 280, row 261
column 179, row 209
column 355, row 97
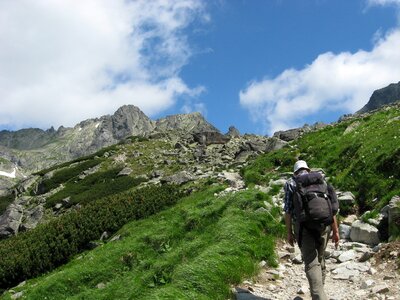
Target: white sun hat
column 300, row 164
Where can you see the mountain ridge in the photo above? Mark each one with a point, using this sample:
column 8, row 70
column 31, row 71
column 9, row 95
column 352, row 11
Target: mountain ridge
column 33, row 149
column 387, row 95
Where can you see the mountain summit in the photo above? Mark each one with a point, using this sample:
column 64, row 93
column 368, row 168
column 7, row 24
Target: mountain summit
column 386, row 95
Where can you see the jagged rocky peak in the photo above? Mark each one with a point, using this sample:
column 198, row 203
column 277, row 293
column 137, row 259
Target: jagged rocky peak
column 130, row 120
column 386, row 95
column 192, row 122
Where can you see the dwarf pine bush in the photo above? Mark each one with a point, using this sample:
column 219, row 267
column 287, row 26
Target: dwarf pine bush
column 54, row 243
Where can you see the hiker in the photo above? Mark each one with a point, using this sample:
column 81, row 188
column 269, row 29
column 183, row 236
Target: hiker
column 310, row 209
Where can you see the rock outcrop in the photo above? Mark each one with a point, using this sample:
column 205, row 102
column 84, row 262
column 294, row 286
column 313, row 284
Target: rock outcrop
column 193, row 122
column 295, row 133
column 384, row 96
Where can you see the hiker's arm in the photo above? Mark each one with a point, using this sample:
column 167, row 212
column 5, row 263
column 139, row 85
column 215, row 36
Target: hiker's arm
column 335, row 232
column 288, row 209
column 290, row 235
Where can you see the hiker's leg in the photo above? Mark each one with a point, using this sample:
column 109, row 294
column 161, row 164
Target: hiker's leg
column 321, row 250
column 313, row 270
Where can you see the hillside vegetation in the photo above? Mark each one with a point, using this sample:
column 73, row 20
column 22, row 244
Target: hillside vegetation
column 191, row 241
column 361, row 154
column 191, row 251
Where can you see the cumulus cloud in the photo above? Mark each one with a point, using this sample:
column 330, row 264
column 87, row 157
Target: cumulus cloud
column 64, row 61
column 331, row 83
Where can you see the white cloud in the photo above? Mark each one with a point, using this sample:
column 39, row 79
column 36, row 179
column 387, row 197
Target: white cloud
column 190, row 107
column 332, row 82
column 64, row 61
column 384, row 2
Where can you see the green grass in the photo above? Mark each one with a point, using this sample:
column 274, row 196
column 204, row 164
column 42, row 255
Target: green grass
column 365, row 161
column 55, row 242
column 193, row 250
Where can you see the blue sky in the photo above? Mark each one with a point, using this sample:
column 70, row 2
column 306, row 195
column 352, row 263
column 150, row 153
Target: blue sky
column 260, row 65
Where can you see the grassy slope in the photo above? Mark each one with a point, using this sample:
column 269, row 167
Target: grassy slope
column 365, row 161
column 197, row 248
column 191, row 251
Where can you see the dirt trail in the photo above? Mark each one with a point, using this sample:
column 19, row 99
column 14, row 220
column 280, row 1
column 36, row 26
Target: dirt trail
column 348, row 275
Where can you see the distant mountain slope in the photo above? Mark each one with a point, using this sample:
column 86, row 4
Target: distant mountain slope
column 34, row 149
column 386, row 95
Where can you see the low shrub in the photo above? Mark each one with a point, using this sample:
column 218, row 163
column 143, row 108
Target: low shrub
column 94, row 186
column 5, row 201
column 65, row 175
column 54, row 243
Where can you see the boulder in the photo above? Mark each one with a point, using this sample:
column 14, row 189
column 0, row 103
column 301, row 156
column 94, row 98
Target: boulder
column 394, row 217
column 380, row 289
column 178, row 178
column 345, row 273
column 346, row 196
column 364, row 233
column 350, row 219
column 234, row 179
column 29, row 183
column 291, row 134
column 352, row 127
column 233, row 132
column 125, row 172
column 366, row 284
column 346, row 202
column 32, row 218
column 210, row 137
column 243, row 156
column 344, row 231
column 346, row 256
column 256, row 146
column 274, row 144
column 10, row 220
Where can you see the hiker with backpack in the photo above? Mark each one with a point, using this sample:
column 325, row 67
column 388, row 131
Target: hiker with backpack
column 310, row 216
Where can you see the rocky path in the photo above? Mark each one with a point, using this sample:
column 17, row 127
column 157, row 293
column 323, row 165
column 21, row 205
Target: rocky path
column 354, row 271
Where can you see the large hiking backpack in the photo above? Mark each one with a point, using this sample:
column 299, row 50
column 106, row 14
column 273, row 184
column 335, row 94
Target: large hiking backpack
column 312, row 204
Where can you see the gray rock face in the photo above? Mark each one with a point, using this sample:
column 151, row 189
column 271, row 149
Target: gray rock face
column 275, row 144
column 233, row 132
column 32, row 218
column 210, row 137
column 125, row 172
column 193, row 122
column 10, row 220
column 130, row 120
column 386, row 95
column 292, row 134
column 346, row 197
column 344, row 231
column 234, row 179
column 364, row 233
column 178, row 178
